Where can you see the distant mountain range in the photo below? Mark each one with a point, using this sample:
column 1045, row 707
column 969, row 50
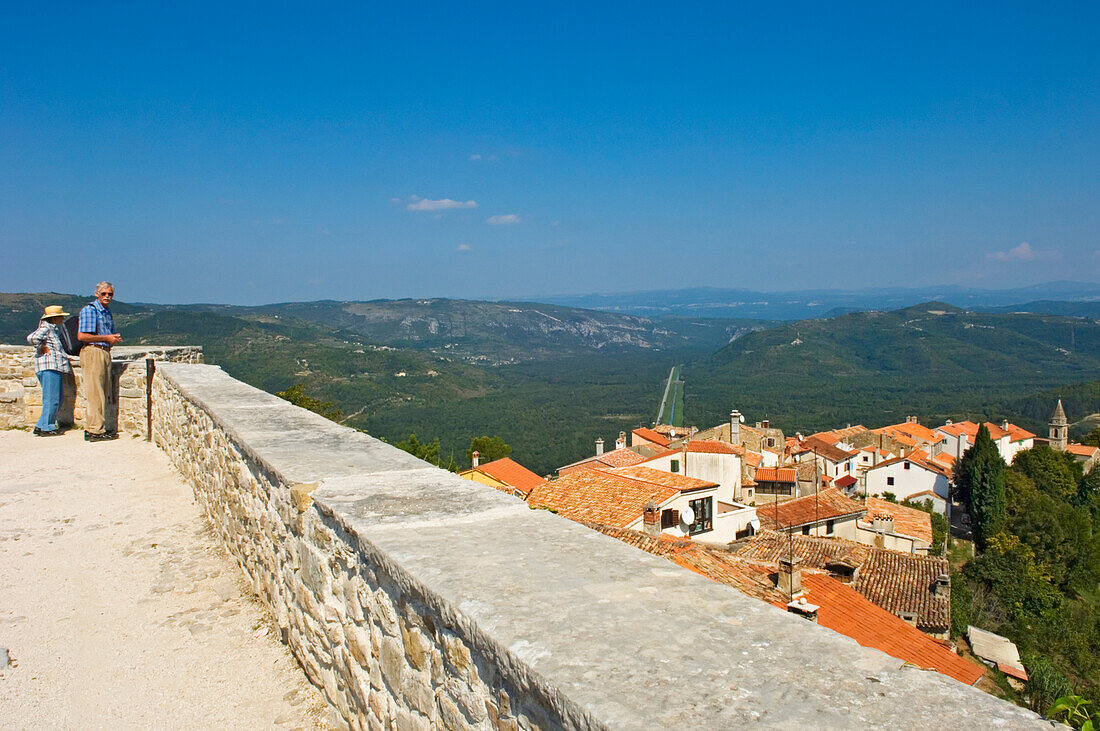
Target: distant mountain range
column 549, row 379
column 805, row 304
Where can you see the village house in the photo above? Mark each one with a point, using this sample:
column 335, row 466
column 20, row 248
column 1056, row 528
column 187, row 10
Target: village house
column 832, row 514
column 647, row 499
column 912, row 477
column 832, row 460
column 913, row 435
column 503, row 474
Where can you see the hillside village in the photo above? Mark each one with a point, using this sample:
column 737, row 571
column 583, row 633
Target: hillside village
column 836, row 526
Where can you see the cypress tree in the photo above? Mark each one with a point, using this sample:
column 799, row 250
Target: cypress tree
column 983, row 470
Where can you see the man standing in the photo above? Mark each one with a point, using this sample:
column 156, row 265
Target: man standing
column 97, row 331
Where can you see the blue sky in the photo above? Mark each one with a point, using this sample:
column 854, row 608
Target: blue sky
column 249, row 153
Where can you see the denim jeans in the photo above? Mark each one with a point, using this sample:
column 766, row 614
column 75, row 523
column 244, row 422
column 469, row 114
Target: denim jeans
column 51, row 399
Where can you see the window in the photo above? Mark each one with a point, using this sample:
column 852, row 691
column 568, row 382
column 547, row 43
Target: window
column 704, row 515
column 805, row 530
column 771, row 441
column 774, row 488
column 866, row 458
column 889, row 480
column 906, row 465
column 675, row 465
column 670, row 518
column 829, row 526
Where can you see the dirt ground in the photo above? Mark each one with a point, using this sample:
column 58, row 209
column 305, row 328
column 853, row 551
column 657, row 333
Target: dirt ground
column 117, row 607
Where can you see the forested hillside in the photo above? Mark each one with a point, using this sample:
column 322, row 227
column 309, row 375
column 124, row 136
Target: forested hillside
column 932, row 360
column 427, row 367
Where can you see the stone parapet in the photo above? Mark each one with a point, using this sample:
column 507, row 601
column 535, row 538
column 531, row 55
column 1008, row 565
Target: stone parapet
column 418, row 600
column 21, row 395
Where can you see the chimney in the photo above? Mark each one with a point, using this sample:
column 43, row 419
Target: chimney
column 910, row 420
column 476, row 459
column 804, row 609
column 599, row 446
column 883, row 523
column 764, row 424
column 1004, row 424
column 942, row 585
column 651, row 519
column 735, row 427
column 620, row 443
column 789, row 578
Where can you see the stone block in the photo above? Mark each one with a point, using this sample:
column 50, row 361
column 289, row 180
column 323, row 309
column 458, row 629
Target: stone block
column 410, row 721
column 392, row 661
column 418, row 695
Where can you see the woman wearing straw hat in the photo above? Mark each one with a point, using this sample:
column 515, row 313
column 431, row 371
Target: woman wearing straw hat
column 50, row 365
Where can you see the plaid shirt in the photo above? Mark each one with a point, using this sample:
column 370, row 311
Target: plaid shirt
column 96, row 319
column 54, row 359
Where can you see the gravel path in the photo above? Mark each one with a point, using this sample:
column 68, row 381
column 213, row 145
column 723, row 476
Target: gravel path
column 118, row 608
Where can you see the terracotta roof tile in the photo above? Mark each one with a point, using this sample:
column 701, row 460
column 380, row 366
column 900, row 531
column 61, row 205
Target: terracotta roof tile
column 825, row 449
column 843, row 609
column 1018, row 434
column 660, row 477
column 1081, row 450
column 652, row 436
column 511, row 473
column 828, row 504
column 776, row 474
column 620, row 458
column 915, row 432
column 597, row 496
column 907, row 521
column 896, row 581
column 902, row 582
column 711, row 446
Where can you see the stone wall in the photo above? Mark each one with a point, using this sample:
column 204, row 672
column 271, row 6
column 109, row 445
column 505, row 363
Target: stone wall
column 418, row 600
column 21, row 395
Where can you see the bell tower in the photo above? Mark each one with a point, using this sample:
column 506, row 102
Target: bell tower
column 1059, row 429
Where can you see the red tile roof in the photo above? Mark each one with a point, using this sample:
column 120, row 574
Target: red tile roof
column 970, row 429
column 828, row 504
column 652, row 436
column 846, row 481
column 620, row 458
column 915, row 432
column 774, row 474
column 824, row 449
column 598, row 496
column 901, row 582
column 896, row 581
column 1018, row 434
column 844, row 610
column 711, row 446
column 1081, row 450
column 840, row 607
column 907, row 521
column 660, row 477
column 919, row 458
column 511, row 473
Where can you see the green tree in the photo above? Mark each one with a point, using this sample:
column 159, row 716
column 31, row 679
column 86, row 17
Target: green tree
column 1057, row 474
column 1092, row 438
column 982, row 471
column 428, row 451
column 1045, row 684
column 488, row 449
column 296, row 395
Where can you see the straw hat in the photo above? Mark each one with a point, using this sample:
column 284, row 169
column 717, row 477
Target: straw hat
column 53, row 311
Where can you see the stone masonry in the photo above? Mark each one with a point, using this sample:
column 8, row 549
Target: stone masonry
column 416, row 600
column 21, row 396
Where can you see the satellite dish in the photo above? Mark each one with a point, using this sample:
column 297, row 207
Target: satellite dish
column 687, row 516
column 741, row 418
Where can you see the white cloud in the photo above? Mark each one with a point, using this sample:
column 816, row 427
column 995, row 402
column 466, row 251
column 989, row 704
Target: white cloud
column 427, row 204
column 478, row 157
column 1024, row 252
column 504, row 220
column 475, row 157
column 465, row 247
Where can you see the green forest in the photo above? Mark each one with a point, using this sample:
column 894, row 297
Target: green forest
column 1035, row 577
